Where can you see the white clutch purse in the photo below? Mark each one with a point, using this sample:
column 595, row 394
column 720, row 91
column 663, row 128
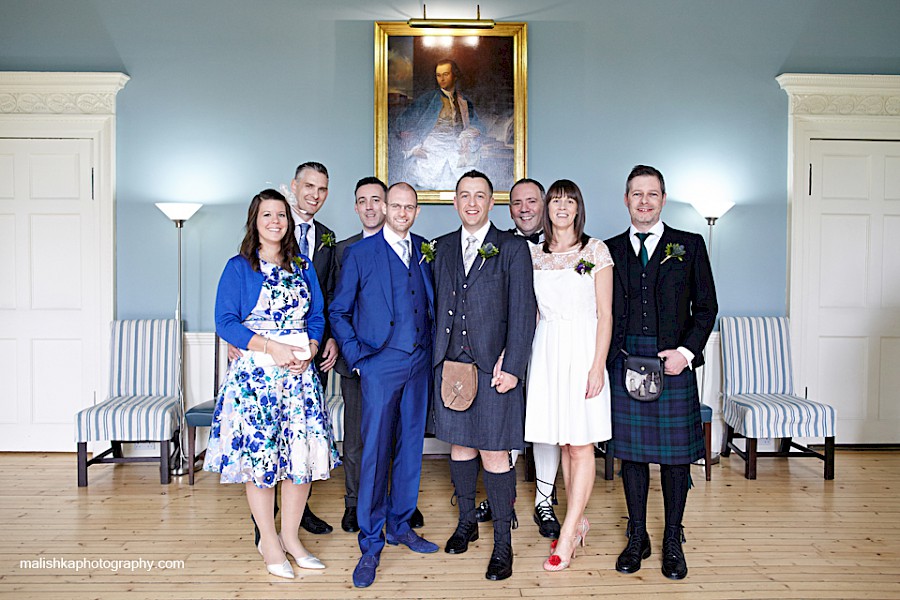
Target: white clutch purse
column 299, row 340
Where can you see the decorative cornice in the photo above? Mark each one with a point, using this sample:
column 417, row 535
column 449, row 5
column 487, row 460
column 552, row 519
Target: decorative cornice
column 842, row 95
column 60, row 93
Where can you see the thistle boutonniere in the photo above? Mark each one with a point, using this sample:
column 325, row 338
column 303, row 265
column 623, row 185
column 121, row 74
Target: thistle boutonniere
column 301, row 263
column 675, row 251
column 327, row 241
column 487, row 251
column 427, row 249
column 584, row 267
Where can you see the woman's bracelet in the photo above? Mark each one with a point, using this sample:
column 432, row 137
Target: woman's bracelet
column 266, row 347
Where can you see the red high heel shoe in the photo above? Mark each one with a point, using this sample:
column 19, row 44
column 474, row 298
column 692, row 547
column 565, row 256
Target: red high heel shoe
column 554, row 562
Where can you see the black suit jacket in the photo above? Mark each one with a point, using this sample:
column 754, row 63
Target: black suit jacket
column 685, row 294
column 341, row 364
column 326, row 266
column 501, row 305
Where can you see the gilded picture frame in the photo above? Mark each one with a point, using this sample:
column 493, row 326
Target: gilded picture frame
column 447, row 101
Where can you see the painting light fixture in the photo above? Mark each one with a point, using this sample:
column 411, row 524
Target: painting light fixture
column 476, row 23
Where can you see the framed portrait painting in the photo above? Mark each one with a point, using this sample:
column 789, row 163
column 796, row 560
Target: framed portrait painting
column 448, row 101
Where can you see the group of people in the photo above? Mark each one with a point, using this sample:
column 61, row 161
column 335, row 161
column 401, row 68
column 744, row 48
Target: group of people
column 447, row 336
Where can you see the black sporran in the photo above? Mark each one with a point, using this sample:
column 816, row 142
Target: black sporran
column 643, row 377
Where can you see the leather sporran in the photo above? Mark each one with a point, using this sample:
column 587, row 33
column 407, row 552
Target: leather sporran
column 643, row 377
column 459, row 384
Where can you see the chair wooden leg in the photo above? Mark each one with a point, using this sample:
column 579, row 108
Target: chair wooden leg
column 609, row 463
column 82, row 464
column 164, row 477
column 191, row 434
column 785, row 445
column 117, row 449
column 707, row 439
column 750, row 466
column 530, row 474
column 729, row 437
column 829, row 458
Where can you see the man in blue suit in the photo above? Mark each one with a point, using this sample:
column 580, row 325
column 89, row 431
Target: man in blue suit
column 382, row 316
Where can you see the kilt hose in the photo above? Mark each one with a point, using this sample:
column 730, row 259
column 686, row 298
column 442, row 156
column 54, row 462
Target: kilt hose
column 667, row 431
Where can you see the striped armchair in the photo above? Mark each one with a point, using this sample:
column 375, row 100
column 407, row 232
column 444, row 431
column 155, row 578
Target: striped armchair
column 143, row 401
column 759, row 398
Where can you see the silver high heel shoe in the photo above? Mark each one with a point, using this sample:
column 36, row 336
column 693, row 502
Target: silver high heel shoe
column 278, row 570
column 304, row 562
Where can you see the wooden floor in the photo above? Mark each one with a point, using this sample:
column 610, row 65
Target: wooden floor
column 789, row 534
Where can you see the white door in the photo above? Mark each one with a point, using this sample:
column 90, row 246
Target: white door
column 850, row 323
column 49, row 291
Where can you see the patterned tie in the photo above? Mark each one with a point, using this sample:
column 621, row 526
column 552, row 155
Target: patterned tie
column 470, row 253
column 405, row 251
column 304, row 243
column 645, row 258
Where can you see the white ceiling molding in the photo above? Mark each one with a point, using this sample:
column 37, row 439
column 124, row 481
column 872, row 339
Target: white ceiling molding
column 60, row 93
column 842, row 95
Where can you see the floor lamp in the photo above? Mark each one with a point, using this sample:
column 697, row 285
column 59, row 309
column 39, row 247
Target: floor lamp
column 178, row 213
column 712, row 210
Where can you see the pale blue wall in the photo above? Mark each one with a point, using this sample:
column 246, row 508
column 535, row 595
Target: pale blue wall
column 226, row 96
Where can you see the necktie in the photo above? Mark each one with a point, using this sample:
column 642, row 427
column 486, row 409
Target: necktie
column 534, row 238
column 304, row 243
column 470, row 253
column 645, row 258
column 405, row 251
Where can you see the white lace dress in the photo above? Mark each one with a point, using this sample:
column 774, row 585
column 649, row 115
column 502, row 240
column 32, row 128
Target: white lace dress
column 564, row 344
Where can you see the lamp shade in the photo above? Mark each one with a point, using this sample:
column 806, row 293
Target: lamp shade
column 712, row 208
column 179, row 211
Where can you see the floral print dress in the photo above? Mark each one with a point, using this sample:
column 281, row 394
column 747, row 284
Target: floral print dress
column 269, row 424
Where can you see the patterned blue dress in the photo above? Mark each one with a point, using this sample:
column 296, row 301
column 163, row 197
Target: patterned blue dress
column 269, row 424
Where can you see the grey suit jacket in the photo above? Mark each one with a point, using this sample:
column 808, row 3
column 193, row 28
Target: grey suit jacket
column 501, row 305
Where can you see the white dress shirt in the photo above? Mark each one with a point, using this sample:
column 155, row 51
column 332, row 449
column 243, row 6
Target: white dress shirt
column 479, row 235
column 393, row 240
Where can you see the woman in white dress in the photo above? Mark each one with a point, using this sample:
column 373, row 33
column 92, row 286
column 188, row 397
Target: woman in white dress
column 568, row 395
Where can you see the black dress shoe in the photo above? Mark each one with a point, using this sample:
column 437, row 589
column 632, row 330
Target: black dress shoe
column 314, row 524
column 416, row 520
column 348, row 521
column 673, row 564
column 500, row 565
column 545, row 519
column 483, row 512
column 459, row 541
column 638, row 548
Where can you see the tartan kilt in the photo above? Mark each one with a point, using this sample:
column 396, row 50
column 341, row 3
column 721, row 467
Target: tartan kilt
column 667, row 431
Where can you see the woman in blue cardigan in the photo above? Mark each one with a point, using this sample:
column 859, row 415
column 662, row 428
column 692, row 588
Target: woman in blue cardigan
column 270, row 422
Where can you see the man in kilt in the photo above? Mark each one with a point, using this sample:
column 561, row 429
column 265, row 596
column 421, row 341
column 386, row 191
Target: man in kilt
column 664, row 304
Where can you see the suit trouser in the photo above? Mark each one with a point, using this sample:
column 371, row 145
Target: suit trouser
column 395, row 388
column 352, row 448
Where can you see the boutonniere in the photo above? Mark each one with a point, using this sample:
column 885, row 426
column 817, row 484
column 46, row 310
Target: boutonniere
column 427, row 249
column 301, row 263
column 327, row 241
column 584, row 267
column 487, row 251
column 675, row 251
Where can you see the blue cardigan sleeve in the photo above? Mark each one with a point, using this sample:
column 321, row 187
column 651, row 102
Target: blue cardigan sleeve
column 238, row 285
column 315, row 317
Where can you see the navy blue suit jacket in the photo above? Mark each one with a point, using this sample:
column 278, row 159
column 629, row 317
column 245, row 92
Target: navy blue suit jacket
column 362, row 311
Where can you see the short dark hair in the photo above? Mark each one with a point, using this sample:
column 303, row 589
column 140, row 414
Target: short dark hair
column 369, row 181
column 454, row 68
column 640, row 171
column 475, row 175
column 564, row 188
column 315, row 166
column 402, row 184
column 527, row 180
